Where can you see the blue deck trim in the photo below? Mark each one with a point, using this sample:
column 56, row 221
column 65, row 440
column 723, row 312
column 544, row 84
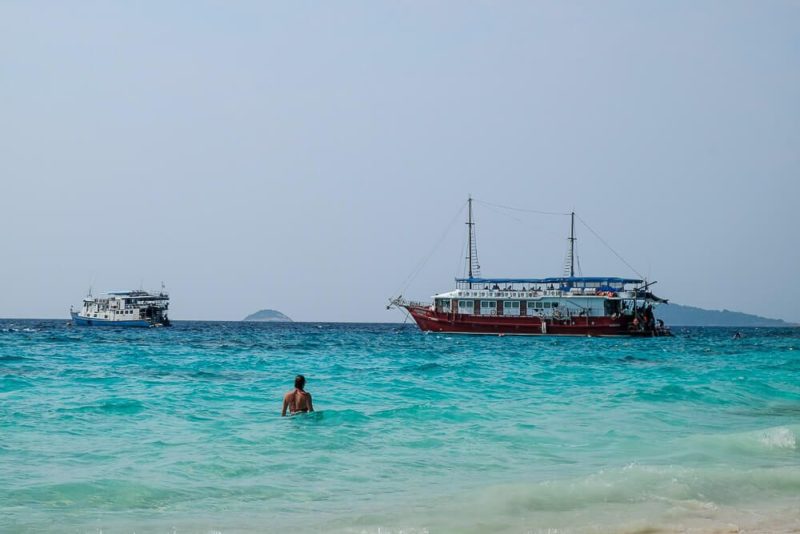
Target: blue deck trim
column 561, row 280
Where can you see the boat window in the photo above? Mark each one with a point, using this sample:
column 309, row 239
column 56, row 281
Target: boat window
column 546, row 304
column 488, row 304
column 511, row 304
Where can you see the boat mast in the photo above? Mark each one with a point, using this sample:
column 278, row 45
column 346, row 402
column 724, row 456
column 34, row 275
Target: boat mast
column 470, row 225
column 572, row 246
column 473, row 266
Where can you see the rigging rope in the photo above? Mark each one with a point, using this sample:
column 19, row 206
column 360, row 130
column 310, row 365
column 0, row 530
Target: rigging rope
column 519, row 209
column 503, row 213
column 540, row 212
column 411, row 277
column 462, row 264
column 476, row 266
column 407, row 282
column 492, row 207
column 609, row 247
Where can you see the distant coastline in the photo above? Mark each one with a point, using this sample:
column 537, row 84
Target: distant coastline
column 681, row 315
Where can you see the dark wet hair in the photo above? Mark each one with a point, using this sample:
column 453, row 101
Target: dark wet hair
column 299, row 381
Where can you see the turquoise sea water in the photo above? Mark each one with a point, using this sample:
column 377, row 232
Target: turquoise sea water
column 178, row 430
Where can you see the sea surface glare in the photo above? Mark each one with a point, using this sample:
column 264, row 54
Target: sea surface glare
column 179, row 430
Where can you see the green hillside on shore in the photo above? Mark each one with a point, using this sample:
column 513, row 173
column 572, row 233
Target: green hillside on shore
column 680, row 315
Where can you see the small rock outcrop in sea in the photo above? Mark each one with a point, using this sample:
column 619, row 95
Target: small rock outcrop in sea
column 272, row 316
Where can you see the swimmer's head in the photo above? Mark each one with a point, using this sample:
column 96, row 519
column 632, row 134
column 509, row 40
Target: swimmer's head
column 299, row 381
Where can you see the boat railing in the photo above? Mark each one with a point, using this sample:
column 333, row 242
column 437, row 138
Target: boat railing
column 400, row 302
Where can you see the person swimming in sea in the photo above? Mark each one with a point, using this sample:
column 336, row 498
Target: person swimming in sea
column 298, row 400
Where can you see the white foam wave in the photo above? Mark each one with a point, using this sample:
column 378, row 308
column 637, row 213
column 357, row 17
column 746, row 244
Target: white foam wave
column 638, row 497
column 752, row 444
column 629, row 499
column 778, row 438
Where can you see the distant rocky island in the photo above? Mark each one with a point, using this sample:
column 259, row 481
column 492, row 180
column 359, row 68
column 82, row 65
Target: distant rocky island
column 679, row 315
column 269, row 316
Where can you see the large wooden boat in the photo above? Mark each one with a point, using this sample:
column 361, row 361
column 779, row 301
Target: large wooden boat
column 124, row 308
column 568, row 305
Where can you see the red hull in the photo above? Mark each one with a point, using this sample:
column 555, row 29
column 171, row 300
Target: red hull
column 433, row 321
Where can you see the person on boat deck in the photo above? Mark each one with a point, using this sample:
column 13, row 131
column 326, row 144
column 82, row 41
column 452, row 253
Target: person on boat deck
column 298, row 400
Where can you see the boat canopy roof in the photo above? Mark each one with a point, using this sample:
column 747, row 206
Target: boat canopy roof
column 139, row 294
column 561, row 280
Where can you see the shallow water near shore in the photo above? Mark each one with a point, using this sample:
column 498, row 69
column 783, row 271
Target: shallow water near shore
column 178, row 430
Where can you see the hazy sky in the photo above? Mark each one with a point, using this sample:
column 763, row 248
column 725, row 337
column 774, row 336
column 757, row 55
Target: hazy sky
column 307, row 156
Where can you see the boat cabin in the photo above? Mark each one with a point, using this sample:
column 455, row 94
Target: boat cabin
column 558, row 297
column 125, row 305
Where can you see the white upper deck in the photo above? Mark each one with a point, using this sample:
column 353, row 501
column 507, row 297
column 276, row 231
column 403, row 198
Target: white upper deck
column 127, row 300
column 500, row 294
